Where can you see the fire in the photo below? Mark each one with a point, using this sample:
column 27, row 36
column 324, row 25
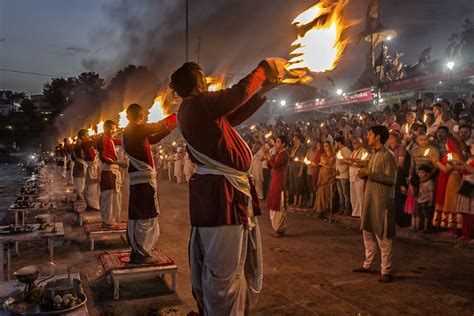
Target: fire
column 100, row 127
column 426, row 152
column 157, row 112
column 307, row 161
column 364, row 155
column 321, row 45
column 269, row 134
column 123, row 121
column 339, row 155
column 70, row 140
column 215, row 83
column 450, row 157
column 91, row 131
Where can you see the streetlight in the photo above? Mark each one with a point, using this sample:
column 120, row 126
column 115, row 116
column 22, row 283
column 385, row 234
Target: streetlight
column 282, row 102
column 450, row 65
column 339, row 91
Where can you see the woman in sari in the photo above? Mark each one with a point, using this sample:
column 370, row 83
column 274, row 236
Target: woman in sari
column 449, row 181
column 315, row 166
column 326, row 178
column 465, row 203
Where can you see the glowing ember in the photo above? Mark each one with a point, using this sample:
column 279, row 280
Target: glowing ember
column 123, row 121
column 269, row 134
column 364, row 155
column 156, row 112
column 426, row 152
column 215, row 83
column 321, row 47
column 450, row 157
column 100, row 127
column 307, row 161
column 339, row 155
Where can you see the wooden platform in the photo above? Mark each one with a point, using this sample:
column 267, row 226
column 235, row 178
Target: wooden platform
column 96, row 231
column 82, row 214
column 117, row 265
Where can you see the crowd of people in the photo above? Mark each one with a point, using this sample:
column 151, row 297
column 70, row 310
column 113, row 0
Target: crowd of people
column 432, row 143
column 410, row 164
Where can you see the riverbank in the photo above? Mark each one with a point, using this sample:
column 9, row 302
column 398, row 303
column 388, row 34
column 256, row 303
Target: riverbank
column 12, row 178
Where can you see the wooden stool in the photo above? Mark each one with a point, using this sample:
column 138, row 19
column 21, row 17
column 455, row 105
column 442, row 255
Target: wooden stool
column 98, row 231
column 117, row 265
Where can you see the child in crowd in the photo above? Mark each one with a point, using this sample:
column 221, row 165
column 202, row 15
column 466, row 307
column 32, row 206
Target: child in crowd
column 424, row 199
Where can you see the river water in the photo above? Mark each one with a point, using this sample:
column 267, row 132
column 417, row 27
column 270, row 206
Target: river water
column 11, row 179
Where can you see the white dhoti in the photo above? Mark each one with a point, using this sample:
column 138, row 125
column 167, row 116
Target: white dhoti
column 178, row 170
column 143, row 234
column 64, row 173
column 188, row 169
column 92, row 189
column 111, row 200
column 226, row 268
column 278, row 218
column 357, row 197
column 226, row 261
column 79, row 185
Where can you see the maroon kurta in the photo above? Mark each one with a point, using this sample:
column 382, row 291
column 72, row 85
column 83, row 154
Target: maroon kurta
column 206, row 122
column 107, row 154
column 279, row 165
column 136, row 142
column 78, row 170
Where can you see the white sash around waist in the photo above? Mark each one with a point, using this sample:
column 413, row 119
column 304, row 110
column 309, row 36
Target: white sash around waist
column 145, row 174
column 238, row 179
column 115, row 169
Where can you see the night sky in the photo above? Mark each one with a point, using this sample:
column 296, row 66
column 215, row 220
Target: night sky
column 65, row 38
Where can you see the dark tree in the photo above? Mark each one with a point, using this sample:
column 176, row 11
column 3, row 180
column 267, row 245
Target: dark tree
column 57, row 93
column 28, row 108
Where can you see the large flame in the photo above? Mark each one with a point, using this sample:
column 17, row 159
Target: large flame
column 157, row 110
column 321, row 45
column 100, row 127
column 123, row 120
column 91, row 131
column 215, row 83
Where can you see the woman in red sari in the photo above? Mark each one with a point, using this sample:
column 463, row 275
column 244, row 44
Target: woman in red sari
column 447, row 187
column 276, row 200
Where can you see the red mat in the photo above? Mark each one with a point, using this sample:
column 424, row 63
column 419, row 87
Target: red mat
column 99, row 227
column 118, row 260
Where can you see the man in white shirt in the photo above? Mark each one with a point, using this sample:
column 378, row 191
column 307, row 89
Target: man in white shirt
column 342, row 176
column 358, row 157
